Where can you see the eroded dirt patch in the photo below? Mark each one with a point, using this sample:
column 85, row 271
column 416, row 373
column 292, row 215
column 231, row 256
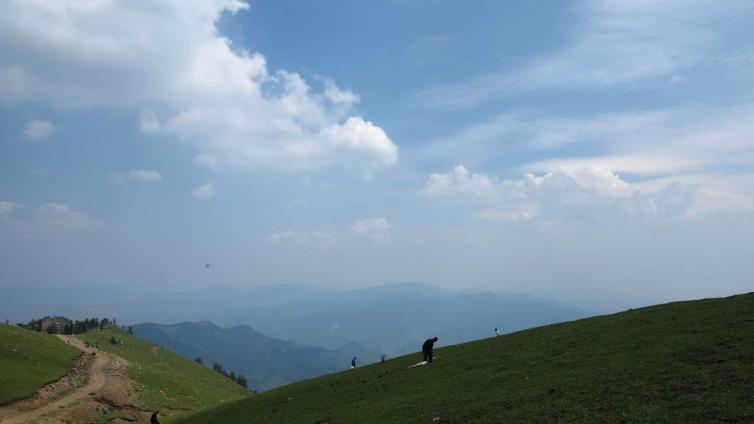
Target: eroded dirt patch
column 96, row 389
column 116, row 398
column 76, row 378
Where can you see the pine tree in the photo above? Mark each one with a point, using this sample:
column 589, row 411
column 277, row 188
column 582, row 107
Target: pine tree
column 242, row 381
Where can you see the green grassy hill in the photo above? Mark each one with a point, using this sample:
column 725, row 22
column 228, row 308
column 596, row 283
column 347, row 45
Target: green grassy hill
column 680, row 362
column 29, row 360
column 165, row 378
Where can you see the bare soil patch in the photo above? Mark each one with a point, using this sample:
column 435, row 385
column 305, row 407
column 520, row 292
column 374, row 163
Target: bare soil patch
column 98, row 384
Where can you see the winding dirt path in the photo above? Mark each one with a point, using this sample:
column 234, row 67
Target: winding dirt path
column 13, row 414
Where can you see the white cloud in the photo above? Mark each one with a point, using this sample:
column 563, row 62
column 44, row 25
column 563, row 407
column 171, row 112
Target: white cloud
column 287, row 236
column 710, row 201
column 577, row 193
column 653, row 143
column 599, row 193
column 462, row 182
column 148, row 121
column 371, row 226
column 338, row 96
column 6, row 207
column 318, row 238
column 614, row 42
column 53, row 209
column 38, row 129
column 135, row 175
column 374, row 230
column 519, row 212
column 166, row 59
column 204, row 191
column 55, row 216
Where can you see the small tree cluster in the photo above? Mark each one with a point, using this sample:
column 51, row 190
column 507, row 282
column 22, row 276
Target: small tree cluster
column 240, row 379
column 61, row 325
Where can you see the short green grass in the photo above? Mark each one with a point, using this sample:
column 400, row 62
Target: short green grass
column 29, row 360
column 685, row 362
column 166, row 379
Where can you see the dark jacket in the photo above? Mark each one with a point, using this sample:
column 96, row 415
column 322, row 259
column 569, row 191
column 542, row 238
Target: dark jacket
column 427, row 346
column 154, row 419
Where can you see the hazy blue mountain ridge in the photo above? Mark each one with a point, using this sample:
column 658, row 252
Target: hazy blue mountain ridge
column 390, row 319
column 265, row 361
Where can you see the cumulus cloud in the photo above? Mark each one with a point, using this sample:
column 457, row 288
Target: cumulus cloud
column 462, row 182
column 166, row 59
column 577, row 193
column 204, row 191
column 38, row 129
column 6, row 207
column 338, row 96
column 135, row 175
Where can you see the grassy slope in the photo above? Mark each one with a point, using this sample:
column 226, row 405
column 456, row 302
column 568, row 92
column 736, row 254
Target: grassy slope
column 29, row 360
column 167, row 379
column 680, row 362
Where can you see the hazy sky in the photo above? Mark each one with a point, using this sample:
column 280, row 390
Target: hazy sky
column 575, row 150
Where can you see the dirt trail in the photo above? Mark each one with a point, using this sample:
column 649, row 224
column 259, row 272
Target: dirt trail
column 15, row 413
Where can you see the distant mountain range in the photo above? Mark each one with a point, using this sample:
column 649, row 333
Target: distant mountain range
column 266, row 362
column 391, row 319
column 396, row 319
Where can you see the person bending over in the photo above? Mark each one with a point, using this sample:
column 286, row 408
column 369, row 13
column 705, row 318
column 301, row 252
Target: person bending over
column 427, row 348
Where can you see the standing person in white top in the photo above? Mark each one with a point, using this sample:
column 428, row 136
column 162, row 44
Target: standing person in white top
column 497, row 333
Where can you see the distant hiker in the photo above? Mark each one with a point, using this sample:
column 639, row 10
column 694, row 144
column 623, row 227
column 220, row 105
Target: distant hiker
column 427, row 348
column 154, row 419
column 353, row 363
column 497, row 333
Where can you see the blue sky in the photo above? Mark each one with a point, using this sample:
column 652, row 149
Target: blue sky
column 594, row 151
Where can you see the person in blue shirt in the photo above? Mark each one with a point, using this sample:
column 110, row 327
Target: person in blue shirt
column 353, row 363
